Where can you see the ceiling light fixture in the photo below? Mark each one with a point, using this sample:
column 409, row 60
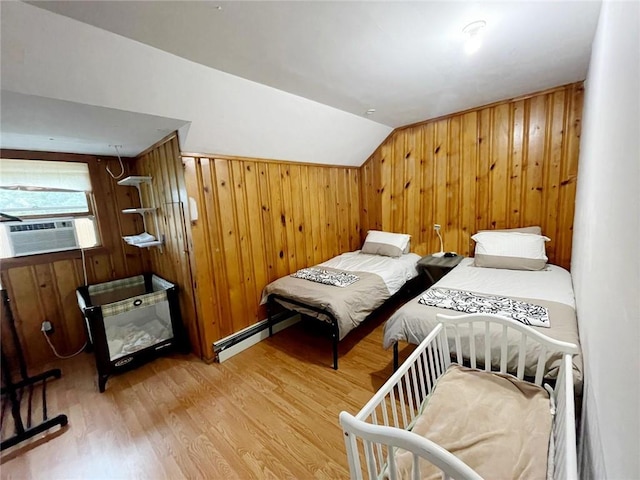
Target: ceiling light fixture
column 371, row 111
column 473, row 31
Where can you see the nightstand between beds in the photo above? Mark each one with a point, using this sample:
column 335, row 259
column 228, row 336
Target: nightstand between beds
column 437, row 267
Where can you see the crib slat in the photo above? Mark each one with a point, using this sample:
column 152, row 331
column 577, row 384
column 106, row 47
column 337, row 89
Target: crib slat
column 422, row 374
column 458, row 345
column 391, row 460
column 379, row 458
column 540, row 366
column 441, row 342
column 432, row 364
column 503, row 350
column 415, row 475
column 446, row 349
column 394, row 409
column 437, row 360
column 403, row 405
column 368, row 455
column 408, row 385
column 427, row 368
column 374, row 417
column 487, row 348
column 351, row 444
column 383, row 408
column 416, row 392
column 522, row 354
column 472, row 345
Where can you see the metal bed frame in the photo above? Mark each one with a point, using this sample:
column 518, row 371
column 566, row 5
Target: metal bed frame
column 332, row 321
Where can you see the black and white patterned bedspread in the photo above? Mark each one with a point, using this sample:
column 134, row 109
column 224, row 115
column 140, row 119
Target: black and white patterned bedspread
column 468, row 302
column 327, row 277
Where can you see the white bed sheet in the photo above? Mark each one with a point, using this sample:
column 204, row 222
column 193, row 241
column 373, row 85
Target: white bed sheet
column 552, row 284
column 394, row 271
column 550, row 287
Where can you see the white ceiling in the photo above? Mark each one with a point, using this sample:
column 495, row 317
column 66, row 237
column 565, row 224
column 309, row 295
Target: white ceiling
column 46, row 124
column 404, row 59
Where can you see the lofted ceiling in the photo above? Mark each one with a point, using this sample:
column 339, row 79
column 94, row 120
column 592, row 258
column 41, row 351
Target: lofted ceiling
column 406, row 60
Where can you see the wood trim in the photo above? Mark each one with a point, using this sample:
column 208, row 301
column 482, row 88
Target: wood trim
column 56, row 156
column 173, row 261
column 8, row 263
column 158, row 144
column 492, row 105
column 265, row 160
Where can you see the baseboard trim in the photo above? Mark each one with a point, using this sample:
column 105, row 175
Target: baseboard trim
column 229, row 346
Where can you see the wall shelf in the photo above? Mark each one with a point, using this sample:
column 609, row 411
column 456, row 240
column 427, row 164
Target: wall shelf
column 156, row 243
column 141, row 211
column 137, row 181
column 134, row 181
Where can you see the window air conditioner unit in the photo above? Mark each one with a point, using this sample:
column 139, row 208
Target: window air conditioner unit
column 41, row 236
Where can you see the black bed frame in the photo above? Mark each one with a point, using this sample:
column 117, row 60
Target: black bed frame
column 406, row 289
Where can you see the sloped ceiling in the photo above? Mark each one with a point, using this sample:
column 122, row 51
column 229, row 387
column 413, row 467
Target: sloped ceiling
column 291, row 80
column 405, row 59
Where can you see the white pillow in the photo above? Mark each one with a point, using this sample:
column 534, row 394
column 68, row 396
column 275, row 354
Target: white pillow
column 533, row 229
column 510, row 250
column 386, row 243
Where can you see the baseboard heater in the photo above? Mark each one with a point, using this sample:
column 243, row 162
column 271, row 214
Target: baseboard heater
column 233, row 344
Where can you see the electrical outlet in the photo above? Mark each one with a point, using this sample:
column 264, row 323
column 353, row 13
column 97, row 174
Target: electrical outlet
column 436, row 227
column 47, row 327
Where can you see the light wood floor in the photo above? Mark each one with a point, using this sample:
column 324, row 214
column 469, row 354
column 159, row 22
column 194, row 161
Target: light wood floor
column 269, row 412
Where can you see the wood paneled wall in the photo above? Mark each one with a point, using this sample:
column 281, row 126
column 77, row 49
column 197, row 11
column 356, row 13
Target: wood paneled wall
column 172, row 262
column 506, row 165
column 260, row 220
column 42, row 287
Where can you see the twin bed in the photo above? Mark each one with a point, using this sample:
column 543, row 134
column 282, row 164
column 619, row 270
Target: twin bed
column 375, row 278
column 482, row 394
column 550, row 288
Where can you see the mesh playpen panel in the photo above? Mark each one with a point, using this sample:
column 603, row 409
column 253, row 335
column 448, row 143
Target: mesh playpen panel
column 134, row 318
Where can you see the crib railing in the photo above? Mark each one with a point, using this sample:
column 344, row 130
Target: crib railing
column 383, row 425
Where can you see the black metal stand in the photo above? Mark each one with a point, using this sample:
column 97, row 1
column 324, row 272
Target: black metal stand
column 13, row 391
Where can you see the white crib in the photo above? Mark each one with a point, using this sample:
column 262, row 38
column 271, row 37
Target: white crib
column 382, row 429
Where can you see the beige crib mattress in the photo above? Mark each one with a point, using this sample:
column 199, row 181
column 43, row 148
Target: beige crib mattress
column 498, row 425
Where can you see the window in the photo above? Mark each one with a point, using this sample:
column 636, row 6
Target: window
column 32, row 190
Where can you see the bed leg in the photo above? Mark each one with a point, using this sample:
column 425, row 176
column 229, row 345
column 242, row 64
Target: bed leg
column 334, row 337
column 269, row 321
column 395, row 356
